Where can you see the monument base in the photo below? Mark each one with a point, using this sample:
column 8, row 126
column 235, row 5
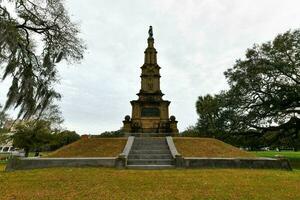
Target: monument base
column 137, row 127
column 151, row 134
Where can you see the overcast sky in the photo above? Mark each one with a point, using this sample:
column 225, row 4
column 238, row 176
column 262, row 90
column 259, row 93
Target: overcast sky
column 196, row 40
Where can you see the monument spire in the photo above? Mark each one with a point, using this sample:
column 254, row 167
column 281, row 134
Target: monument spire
column 150, row 52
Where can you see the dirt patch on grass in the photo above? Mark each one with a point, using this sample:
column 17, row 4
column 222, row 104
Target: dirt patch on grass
column 92, row 147
column 207, row 147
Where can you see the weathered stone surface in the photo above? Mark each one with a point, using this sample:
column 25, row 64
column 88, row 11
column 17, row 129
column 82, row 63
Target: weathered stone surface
column 36, row 163
column 150, row 153
column 179, row 160
column 121, row 161
column 255, row 163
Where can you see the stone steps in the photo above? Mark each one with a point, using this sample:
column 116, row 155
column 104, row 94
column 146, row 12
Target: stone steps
column 149, row 147
column 150, row 166
column 150, row 143
column 150, row 162
column 149, row 135
column 150, row 153
column 149, row 156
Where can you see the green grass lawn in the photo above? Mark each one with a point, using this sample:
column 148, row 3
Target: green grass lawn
column 294, row 157
column 3, row 158
column 42, row 154
column 105, row 183
column 3, row 162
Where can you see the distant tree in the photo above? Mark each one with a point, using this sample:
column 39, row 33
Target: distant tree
column 208, row 110
column 216, row 115
column 53, row 115
column 4, row 136
column 117, row 133
column 284, row 136
column 34, row 36
column 63, row 138
column 32, row 135
column 191, row 131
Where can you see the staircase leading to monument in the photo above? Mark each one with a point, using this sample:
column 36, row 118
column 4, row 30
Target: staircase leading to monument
column 150, row 153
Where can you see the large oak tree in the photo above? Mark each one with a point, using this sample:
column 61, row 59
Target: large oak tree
column 264, row 96
column 34, row 36
column 265, row 86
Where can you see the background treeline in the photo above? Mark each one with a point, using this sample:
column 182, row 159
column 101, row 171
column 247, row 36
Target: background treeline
column 41, row 133
column 37, row 136
column 118, row 133
column 261, row 108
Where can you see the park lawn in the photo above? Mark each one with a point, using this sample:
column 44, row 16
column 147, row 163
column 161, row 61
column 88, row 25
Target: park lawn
column 207, row 147
column 111, row 184
column 42, row 154
column 3, row 162
column 4, row 156
column 292, row 156
column 92, row 147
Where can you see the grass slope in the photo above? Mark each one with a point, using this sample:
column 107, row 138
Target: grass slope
column 111, row 184
column 207, row 147
column 93, row 147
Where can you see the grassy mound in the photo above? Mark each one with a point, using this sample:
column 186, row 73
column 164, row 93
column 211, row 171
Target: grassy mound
column 92, row 147
column 207, row 147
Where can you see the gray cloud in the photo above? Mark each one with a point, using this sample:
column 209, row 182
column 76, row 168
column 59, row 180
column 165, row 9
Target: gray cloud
column 196, row 40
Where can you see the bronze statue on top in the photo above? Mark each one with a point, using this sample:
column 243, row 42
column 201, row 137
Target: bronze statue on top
column 150, row 32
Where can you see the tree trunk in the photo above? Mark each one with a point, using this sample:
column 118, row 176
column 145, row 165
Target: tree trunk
column 37, row 153
column 26, row 152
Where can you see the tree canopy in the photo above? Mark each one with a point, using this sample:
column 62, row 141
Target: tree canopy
column 265, row 87
column 34, row 36
column 263, row 101
column 37, row 135
column 3, row 117
column 62, row 138
column 31, row 135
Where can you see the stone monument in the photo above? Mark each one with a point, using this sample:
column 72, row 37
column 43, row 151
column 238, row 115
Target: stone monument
column 150, row 113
